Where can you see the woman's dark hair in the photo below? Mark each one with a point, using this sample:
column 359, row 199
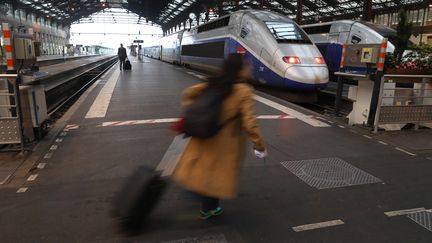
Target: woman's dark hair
column 230, row 72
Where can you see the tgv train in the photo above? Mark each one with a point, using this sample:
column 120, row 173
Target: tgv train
column 330, row 36
column 281, row 53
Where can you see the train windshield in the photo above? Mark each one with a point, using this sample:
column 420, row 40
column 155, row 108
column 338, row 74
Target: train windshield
column 286, row 32
column 385, row 31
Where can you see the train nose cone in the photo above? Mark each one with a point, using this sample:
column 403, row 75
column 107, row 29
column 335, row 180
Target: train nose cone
column 308, row 75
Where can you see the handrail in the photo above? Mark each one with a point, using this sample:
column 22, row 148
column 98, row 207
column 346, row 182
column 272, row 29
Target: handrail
column 407, row 76
column 16, row 117
column 415, row 111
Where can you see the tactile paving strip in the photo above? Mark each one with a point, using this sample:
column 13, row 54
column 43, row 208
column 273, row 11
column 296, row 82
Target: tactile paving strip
column 423, row 218
column 220, row 238
column 329, row 173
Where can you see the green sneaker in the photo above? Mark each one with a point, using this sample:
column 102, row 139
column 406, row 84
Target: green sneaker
column 211, row 213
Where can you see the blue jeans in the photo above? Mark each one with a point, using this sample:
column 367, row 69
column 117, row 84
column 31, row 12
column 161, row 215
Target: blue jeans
column 208, row 203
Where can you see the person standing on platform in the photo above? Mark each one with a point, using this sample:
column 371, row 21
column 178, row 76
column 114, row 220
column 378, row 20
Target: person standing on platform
column 210, row 167
column 121, row 53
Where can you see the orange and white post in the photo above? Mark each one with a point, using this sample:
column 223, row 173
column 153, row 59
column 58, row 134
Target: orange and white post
column 382, row 55
column 7, row 35
column 342, row 63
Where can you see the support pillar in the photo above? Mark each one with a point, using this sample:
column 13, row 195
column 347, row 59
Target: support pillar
column 367, row 10
column 220, row 8
column 299, row 16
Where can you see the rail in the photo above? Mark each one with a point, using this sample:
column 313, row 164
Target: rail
column 61, row 101
column 399, row 105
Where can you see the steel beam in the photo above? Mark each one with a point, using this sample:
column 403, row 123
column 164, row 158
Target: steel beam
column 299, row 11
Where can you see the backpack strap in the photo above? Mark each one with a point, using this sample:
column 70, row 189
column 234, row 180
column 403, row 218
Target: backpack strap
column 230, row 120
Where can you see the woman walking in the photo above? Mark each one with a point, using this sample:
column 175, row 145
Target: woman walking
column 210, row 167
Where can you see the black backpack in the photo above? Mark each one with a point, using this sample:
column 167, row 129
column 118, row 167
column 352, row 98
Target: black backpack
column 202, row 117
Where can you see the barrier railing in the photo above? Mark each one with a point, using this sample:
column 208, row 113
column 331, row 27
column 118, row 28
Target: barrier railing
column 398, row 105
column 11, row 131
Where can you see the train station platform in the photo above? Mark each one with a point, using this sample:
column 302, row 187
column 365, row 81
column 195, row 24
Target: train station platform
column 60, row 69
column 55, row 59
column 322, row 181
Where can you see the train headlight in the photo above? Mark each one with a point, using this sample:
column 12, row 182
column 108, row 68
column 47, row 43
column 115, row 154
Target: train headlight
column 319, row 60
column 291, row 60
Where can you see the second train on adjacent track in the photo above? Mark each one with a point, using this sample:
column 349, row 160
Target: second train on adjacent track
column 281, row 53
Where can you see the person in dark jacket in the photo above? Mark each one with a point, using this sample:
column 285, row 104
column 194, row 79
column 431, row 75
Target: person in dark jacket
column 121, row 53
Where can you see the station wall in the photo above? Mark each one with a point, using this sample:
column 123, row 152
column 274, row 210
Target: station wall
column 421, row 18
column 49, row 37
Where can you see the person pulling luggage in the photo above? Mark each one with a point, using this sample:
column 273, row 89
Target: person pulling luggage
column 218, row 115
column 122, row 55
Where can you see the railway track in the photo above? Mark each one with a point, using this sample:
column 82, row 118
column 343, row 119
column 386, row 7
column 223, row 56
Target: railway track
column 62, row 97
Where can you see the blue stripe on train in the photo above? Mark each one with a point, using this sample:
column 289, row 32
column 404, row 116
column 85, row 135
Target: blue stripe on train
column 262, row 74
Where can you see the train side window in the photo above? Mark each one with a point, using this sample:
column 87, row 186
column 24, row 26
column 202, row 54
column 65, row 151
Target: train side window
column 355, row 39
column 214, row 25
column 320, row 29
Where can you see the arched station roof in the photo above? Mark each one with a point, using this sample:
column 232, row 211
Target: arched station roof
column 170, row 13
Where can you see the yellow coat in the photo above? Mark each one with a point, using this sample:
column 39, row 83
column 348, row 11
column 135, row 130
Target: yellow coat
column 211, row 166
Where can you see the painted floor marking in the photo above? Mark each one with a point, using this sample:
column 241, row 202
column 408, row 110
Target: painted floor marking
column 321, row 118
column 71, row 127
column 302, row 117
column 59, row 140
column 404, row 151
column 22, row 189
column 368, row 137
column 6, row 179
column 62, row 134
column 382, row 142
column 136, row 122
column 275, row 117
column 170, row 120
column 200, row 76
column 48, row 156
column 100, row 105
column 32, row 177
column 41, row 165
column 53, row 147
column 318, row 225
column 404, row 212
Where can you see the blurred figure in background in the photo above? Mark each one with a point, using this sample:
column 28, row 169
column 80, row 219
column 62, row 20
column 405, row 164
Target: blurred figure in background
column 121, row 53
column 210, row 167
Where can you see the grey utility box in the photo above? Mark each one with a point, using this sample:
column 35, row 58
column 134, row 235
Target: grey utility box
column 33, row 108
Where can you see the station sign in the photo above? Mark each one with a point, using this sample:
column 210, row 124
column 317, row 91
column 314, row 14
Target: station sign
column 138, row 41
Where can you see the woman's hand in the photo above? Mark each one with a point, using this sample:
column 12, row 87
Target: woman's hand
column 260, row 153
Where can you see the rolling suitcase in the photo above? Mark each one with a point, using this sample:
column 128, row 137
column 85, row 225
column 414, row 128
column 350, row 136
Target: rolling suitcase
column 137, row 198
column 127, row 65
column 142, row 191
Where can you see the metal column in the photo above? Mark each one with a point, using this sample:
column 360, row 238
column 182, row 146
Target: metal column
column 367, row 10
column 299, row 12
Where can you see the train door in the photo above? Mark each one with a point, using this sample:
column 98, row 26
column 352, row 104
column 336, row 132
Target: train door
column 177, row 47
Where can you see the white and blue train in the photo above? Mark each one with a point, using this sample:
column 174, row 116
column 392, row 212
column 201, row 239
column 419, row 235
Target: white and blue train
column 281, row 53
column 330, row 36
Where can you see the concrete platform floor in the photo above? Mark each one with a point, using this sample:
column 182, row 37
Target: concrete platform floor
column 67, row 197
